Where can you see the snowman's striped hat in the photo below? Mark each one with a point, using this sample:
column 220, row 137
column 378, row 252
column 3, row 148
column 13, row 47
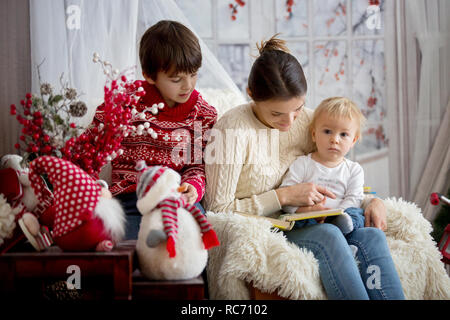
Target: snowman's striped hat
column 147, row 177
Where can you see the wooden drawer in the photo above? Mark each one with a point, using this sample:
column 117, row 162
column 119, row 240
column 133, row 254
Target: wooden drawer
column 31, row 272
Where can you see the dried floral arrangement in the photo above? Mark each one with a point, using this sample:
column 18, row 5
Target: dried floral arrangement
column 48, row 128
column 46, row 120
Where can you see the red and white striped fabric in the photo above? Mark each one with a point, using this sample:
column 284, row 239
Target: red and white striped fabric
column 169, row 208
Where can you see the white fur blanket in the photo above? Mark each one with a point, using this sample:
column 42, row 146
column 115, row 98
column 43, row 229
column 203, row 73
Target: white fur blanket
column 251, row 251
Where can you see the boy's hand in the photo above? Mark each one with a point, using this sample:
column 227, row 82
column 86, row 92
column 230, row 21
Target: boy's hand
column 189, row 192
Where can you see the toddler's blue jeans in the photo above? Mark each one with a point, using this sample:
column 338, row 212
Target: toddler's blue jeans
column 374, row 277
column 356, row 214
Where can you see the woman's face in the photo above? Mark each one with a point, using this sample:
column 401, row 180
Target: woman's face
column 279, row 114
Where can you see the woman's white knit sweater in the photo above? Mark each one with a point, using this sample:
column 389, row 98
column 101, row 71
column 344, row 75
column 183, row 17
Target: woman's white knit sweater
column 246, row 161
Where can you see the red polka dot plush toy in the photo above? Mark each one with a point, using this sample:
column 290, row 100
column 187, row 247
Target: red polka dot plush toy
column 174, row 236
column 86, row 217
column 22, row 215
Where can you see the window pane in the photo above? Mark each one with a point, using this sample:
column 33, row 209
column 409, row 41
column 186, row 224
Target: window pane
column 199, row 14
column 330, row 66
column 232, row 29
column 235, row 58
column 300, row 51
column 294, row 24
column 374, row 138
column 367, row 20
column 369, row 91
column 330, row 17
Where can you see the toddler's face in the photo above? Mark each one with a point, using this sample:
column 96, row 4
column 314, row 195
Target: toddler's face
column 174, row 87
column 334, row 137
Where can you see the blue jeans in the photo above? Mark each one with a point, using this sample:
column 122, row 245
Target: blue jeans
column 374, row 277
column 356, row 214
column 133, row 216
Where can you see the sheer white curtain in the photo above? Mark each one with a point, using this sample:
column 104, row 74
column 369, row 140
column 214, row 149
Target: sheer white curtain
column 65, row 34
column 430, row 152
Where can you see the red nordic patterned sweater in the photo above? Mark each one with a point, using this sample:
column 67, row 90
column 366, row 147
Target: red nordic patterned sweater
column 180, row 142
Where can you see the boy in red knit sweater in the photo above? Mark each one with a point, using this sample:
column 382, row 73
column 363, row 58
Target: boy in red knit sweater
column 170, row 120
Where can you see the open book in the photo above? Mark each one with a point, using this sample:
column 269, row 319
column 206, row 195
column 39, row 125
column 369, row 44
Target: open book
column 287, row 221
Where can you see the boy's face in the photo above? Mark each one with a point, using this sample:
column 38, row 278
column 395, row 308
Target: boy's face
column 174, row 87
column 334, row 137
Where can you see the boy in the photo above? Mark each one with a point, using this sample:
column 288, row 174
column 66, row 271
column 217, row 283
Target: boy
column 170, row 57
column 335, row 128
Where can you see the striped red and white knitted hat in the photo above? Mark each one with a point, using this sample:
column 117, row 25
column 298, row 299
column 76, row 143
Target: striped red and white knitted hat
column 161, row 180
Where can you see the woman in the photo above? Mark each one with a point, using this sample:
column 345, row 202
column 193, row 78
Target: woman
column 246, row 178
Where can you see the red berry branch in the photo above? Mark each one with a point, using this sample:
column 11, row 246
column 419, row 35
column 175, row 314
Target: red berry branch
column 46, row 120
column 101, row 143
column 234, row 8
column 289, row 4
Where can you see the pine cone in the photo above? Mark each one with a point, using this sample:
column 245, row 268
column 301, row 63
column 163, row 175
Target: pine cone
column 46, row 88
column 71, row 94
column 78, row 109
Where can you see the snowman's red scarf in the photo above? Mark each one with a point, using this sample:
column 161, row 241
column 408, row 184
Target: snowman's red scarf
column 169, row 208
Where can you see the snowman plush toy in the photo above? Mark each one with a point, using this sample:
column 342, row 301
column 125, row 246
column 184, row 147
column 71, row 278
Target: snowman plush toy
column 174, row 236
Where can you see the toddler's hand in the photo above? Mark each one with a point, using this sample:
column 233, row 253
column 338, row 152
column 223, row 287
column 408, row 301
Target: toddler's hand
column 189, row 193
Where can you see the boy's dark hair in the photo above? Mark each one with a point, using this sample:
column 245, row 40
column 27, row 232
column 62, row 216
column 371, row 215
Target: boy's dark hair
column 169, row 46
column 276, row 74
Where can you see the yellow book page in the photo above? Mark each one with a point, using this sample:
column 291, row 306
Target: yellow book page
column 311, row 215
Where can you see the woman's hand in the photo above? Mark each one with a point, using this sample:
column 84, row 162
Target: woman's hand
column 303, row 194
column 317, row 207
column 375, row 214
column 189, row 192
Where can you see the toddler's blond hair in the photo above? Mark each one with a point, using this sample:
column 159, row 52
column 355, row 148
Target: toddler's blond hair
column 339, row 107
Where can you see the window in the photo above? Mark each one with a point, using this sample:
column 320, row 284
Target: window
column 340, row 44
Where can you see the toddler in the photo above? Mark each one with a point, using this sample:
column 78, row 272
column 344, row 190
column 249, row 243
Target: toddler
column 335, row 128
